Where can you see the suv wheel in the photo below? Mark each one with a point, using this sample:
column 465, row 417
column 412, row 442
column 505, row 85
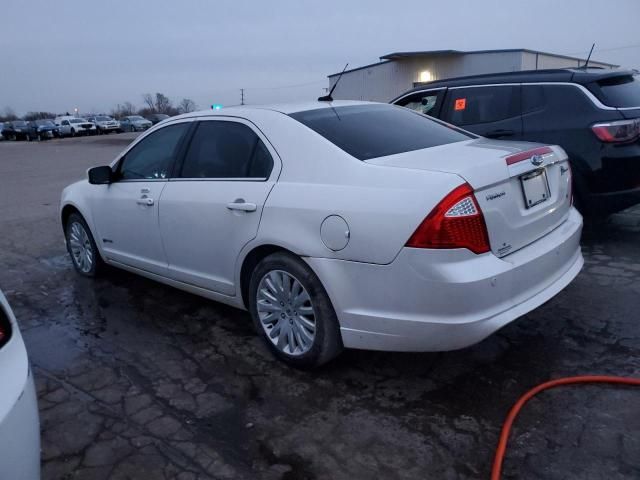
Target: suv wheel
column 292, row 312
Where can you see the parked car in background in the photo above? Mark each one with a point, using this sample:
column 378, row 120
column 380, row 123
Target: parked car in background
column 594, row 114
column 41, row 130
column 157, row 117
column 1, row 129
column 105, row 124
column 336, row 224
column 69, row 126
column 15, row 130
column 134, row 123
column 19, row 423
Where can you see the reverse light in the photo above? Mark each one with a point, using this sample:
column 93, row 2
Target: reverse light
column 456, row 222
column 619, row 131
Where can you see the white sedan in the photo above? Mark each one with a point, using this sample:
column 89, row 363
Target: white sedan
column 19, row 424
column 343, row 224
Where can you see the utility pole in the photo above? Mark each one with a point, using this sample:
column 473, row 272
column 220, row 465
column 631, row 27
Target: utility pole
column 242, row 96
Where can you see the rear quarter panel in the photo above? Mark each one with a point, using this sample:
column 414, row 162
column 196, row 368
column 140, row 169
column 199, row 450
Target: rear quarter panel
column 381, row 205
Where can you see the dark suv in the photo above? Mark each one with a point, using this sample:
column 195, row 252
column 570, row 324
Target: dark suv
column 594, row 114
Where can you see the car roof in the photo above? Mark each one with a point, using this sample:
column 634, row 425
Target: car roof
column 571, row 75
column 286, row 108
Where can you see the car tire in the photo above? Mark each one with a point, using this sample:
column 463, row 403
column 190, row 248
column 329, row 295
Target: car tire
column 72, row 132
column 303, row 341
column 81, row 246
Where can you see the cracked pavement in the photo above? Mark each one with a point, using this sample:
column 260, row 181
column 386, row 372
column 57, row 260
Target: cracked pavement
column 137, row 380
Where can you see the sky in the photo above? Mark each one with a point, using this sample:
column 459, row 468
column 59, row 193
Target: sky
column 66, row 54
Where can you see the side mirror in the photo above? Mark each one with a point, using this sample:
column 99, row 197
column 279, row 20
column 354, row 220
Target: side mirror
column 100, row 175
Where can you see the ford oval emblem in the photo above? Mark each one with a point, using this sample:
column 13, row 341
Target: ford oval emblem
column 537, row 160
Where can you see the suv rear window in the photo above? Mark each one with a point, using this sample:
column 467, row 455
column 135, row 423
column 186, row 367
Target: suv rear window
column 372, row 131
column 621, row 91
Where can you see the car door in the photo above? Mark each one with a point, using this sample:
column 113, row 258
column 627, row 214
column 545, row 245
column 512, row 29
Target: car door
column 428, row 102
column 65, row 127
column 212, row 208
column 125, row 212
column 493, row 111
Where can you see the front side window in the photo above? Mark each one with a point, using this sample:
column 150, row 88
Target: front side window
column 371, row 131
column 153, row 156
column 422, row 102
column 223, row 149
column 476, row 105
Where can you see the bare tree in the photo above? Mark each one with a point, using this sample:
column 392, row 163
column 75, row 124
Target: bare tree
column 147, row 98
column 123, row 110
column 39, row 116
column 8, row 114
column 187, row 105
column 163, row 104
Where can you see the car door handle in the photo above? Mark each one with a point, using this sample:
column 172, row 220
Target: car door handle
column 499, row 133
column 145, row 201
column 241, row 205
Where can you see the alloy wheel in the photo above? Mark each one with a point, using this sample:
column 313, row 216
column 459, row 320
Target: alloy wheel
column 80, row 247
column 286, row 312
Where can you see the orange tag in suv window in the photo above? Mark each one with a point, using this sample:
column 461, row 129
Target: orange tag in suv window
column 461, row 104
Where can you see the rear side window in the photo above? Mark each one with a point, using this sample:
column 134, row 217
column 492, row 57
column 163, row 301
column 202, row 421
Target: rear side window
column 223, row 149
column 371, row 131
column 427, row 103
column 472, row 106
column 533, row 98
column 622, row 91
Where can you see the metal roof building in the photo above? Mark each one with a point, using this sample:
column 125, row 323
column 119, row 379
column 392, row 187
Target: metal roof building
column 400, row 71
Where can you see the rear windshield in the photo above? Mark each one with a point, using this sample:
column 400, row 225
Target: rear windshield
column 371, row 131
column 622, row 91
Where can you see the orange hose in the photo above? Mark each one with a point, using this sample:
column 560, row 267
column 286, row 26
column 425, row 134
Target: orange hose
column 513, row 413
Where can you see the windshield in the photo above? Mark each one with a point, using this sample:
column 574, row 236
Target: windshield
column 47, row 123
column 371, row 131
column 20, row 123
column 136, row 118
column 622, row 91
column 77, row 120
column 103, row 119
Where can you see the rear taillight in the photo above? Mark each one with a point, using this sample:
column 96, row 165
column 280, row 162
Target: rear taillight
column 5, row 327
column 456, row 222
column 620, row 131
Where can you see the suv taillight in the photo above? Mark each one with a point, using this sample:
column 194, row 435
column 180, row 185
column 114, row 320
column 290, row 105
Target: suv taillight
column 620, row 131
column 5, row 327
column 456, row 222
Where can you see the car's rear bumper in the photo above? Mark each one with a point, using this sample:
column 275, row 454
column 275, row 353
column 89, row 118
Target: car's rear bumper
column 434, row 300
column 20, row 437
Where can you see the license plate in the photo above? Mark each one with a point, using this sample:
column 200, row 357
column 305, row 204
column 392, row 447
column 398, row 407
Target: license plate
column 535, row 187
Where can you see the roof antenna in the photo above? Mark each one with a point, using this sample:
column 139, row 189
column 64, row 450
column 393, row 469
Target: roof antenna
column 328, row 97
column 586, row 64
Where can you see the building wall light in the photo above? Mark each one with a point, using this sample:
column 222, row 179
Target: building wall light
column 425, row 76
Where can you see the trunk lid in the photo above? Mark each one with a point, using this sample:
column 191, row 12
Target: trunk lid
column 521, row 201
